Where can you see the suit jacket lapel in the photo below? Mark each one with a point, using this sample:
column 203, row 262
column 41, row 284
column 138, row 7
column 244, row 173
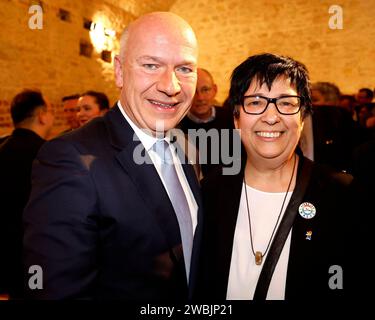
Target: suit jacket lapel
column 277, row 245
column 145, row 178
column 230, row 190
column 195, row 188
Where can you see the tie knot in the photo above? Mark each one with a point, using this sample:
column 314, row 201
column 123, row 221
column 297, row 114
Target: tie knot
column 161, row 147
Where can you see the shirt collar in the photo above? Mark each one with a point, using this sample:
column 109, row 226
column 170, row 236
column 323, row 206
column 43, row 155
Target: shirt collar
column 198, row 120
column 146, row 139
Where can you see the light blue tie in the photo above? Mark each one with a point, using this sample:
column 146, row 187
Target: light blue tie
column 178, row 199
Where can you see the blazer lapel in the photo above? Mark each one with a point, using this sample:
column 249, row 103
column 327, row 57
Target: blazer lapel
column 265, row 277
column 145, row 178
column 195, row 188
column 151, row 189
column 230, row 190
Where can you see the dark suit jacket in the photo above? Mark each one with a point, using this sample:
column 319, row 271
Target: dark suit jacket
column 16, row 156
column 335, row 136
column 101, row 226
column 3, row 138
column 364, row 164
column 223, row 120
column 309, row 260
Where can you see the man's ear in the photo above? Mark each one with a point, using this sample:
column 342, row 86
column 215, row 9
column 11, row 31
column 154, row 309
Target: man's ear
column 118, row 72
column 214, row 87
column 41, row 115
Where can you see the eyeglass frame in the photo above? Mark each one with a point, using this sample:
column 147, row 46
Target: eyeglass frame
column 272, row 100
column 204, row 91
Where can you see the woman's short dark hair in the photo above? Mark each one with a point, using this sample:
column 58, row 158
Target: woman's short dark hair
column 100, row 98
column 266, row 68
column 24, row 104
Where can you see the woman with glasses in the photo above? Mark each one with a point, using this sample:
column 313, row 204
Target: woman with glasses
column 275, row 230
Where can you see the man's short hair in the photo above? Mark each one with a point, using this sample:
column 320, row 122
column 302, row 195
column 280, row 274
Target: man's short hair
column 369, row 92
column 24, row 104
column 266, row 68
column 330, row 92
column 123, row 41
column 100, row 98
column 71, row 97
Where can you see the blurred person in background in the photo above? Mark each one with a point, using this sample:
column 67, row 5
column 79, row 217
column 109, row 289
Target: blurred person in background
column 329, row 133
column 33, row 119
column 90, row 105
column 69, row 104
column 205, row 115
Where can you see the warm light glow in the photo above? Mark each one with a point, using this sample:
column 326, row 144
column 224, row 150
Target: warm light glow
column 110, row 33
column 101, row 34
column 98, row 38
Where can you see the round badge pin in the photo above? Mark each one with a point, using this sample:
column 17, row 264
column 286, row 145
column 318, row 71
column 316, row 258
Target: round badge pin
column 307, row 210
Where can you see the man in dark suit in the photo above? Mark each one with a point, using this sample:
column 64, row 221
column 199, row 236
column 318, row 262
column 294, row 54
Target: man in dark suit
column 3, row 138
column 33, row 120
column 69, row 104
column 363, row 165
column 102, row 224
column 329, row 134
column 205, row 115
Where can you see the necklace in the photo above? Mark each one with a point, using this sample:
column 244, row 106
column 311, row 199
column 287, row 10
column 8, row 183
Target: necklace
column 259, row 255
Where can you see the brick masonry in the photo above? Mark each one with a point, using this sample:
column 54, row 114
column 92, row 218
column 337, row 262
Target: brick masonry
column 228, row 31
column 49, row 59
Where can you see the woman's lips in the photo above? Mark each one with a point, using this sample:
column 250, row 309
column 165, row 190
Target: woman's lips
column 269, row 134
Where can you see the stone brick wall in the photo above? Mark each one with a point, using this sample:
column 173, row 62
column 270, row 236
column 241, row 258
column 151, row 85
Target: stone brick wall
column 230, row 30
column 49, row 59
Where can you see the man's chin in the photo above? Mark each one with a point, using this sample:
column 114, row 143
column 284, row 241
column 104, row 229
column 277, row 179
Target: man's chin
column 161, row 127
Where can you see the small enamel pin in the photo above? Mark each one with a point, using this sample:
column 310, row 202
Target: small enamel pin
column 307, row 210
column 308, row 235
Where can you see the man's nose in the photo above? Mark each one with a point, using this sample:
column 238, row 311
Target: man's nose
column 169, row 83
column 198, row 95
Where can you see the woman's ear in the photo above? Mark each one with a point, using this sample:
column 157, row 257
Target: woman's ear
column 235, row 120
column 236, row 115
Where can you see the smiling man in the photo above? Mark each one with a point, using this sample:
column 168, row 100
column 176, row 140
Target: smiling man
column 204, row 115
column 158, row 85
column 102, row 226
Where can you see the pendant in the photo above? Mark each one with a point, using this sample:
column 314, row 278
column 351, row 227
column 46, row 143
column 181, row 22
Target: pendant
column 258, row 258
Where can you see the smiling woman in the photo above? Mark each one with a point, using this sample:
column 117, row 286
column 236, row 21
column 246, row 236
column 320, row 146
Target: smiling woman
column 279, row 211
column 266, row 133
column 90, row 105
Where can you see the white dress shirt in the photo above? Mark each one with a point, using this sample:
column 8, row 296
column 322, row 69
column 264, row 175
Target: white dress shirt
column 148, row 142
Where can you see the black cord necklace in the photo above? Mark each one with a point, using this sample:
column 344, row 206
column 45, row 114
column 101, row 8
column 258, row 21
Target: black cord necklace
column 259, row 255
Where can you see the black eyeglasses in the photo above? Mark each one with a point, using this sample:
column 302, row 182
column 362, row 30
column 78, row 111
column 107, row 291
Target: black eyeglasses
column 204, row 90
column 287, row 105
